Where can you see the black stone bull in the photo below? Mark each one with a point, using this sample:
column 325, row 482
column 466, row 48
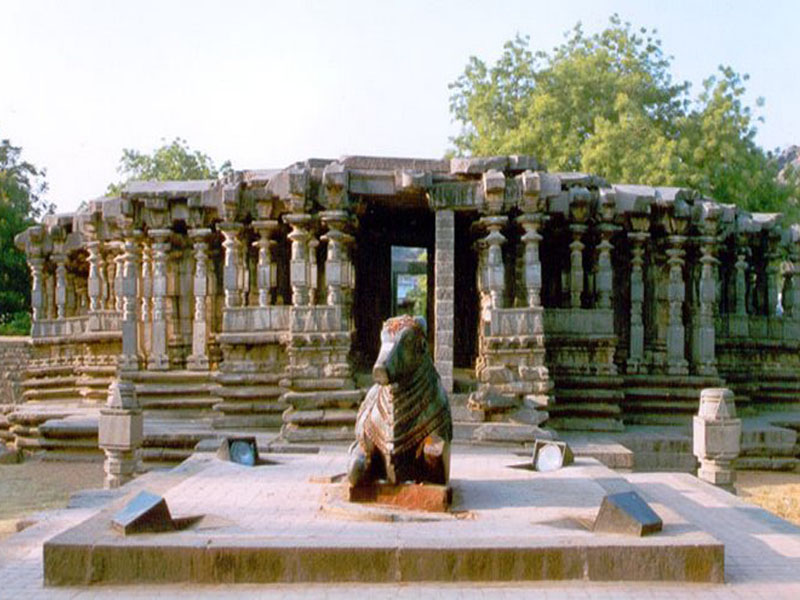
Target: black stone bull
column 403, row 428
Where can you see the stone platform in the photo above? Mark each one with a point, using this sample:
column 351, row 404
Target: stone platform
column 287, row 522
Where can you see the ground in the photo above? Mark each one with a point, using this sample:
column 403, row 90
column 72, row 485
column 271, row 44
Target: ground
column 36, row 485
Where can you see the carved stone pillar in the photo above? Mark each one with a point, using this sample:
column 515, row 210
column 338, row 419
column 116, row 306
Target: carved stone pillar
column 158, row 359
column 772, row 273
column 335, row 276
column 130, row 358
column 576, row 264
column 638, row 239
column 36, row 264
column 676, row 294
column 231, row 276
column 109, row 260
column 741, row 281
column 119, row 267
column 198, row 360
column 791, row 278
column 61, row 285
column 313, row 269
column 94, row 282
column 266, row 271
column 146, row 296
column 495, row 275
column 704, row 334
column 533, row 266
column 298, row 265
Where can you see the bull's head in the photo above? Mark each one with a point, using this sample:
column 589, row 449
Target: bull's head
column 403, row 346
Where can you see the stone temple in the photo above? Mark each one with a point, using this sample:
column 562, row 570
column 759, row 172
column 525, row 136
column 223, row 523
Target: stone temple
column 256, row 300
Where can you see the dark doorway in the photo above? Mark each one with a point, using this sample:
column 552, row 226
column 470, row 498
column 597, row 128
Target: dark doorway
column 384, row 225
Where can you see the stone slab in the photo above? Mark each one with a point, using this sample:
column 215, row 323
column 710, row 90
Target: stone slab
column 269, row 524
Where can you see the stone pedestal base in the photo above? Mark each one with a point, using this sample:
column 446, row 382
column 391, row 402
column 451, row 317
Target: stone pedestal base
column 719, row 473
column 120, row 467
column 412, row 496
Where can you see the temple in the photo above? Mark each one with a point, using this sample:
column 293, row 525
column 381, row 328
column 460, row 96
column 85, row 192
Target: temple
column 256, row 300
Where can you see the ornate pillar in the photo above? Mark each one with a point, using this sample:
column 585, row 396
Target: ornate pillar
column 198, row 360
column 298, row 265
column 231, row 278
column 61, row 284
column 579, row 212
column 266, row 271
column 158, row 359
column 704, row 341
column 95, row 280
column 335, row 275
column 604, row 281
column 146, row 296
column 638, row 238
column 791, row 277
column 313, row 269
column 109, row 261
column 676, row 294
column 533, row 266
column 119, row 267
column 130, row 358
column 494, row 268
column 772, row 272
column 36, row 264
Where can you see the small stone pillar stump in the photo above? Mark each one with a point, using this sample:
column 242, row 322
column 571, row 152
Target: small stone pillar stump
column 716, row 437
column 120, row 433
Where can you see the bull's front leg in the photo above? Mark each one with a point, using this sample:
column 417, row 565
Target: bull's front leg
column 361, row 467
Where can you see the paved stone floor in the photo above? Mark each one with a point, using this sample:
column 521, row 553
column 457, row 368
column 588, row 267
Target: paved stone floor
column 762, row 556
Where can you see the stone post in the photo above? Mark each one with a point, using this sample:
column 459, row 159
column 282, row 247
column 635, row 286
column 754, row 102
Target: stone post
column 146, row 296
column 716, row 437
column 638, row 239
column 576, row 264
column 109, row 261
column 772, row 273
column 676, row 294
column 36, row 264
column 533, row 266
column 334, row 262
column 130, row 359
column 495, row 275
column 704, row 334
column 95, row 281
column 313, row 269
column 444, row 277
column 119, row 269
column 198, row 360
column 231, row 277
column 120, row 433
column 266, row 271
column 298, row 265
column 605, row 273
column 158, row 359
column 61, row 284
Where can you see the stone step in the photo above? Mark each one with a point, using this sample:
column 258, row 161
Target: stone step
column 575, row 423
column 594, row 394
column 174, row 389
column 241, row 408
column 598, row 382
column 65, row 381
column 233, row 379
column 249, row 391
column 69, row 429
column 178, row 402
column 176, row 376
column 293, row 432
column 328, row 383
column 250, row 421
column 327, row 417
column 324, row 399
column 651, row 418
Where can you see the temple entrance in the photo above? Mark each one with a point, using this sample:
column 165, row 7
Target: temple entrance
column 394, row 272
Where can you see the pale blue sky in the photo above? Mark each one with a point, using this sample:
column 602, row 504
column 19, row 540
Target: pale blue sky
column 267, row 83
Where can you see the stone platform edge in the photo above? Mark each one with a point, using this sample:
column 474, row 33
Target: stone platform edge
column 260, row 560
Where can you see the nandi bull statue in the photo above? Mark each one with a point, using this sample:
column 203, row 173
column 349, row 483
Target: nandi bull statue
column 403, row 427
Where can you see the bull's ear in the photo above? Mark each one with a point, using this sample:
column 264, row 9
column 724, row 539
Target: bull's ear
column 422, row 324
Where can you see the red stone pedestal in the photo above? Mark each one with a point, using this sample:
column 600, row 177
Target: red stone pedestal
column 413, row 496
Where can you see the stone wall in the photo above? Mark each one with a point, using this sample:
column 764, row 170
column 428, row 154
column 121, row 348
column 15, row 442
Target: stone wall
column 14, row 355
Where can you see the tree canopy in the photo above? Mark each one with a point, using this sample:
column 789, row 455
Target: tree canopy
column 171, row 161
column 22, row 186
column 606, row 103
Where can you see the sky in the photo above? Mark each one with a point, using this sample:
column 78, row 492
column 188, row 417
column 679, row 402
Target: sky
column 265, row 84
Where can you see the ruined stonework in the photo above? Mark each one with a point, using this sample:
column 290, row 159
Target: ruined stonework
column 257, row 299
column 14, row 355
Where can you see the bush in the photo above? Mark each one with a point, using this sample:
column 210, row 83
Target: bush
column 18, row 323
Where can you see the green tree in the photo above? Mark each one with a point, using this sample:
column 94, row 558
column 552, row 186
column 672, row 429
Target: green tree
column 22, row 189
column 171, row 161
column 607, row 103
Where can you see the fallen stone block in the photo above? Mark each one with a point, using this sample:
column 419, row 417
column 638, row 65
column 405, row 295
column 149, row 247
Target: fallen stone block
column 626, row 513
